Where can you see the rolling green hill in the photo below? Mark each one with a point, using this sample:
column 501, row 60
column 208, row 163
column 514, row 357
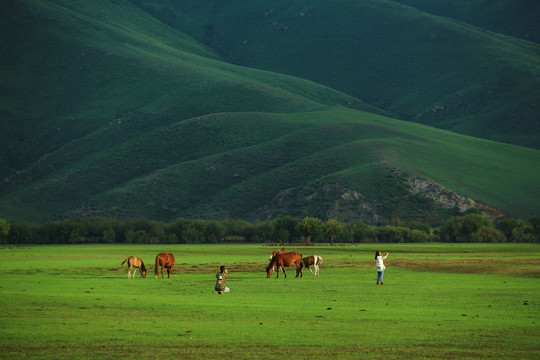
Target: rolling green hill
column 430, row 69
column 108, row 110
column 518, row 18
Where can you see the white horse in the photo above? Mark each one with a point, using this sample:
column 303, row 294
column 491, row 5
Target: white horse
column 314, row 260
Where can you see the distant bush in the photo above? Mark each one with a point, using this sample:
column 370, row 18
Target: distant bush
column 471, row 227
column 4, row 230
column 488, row 234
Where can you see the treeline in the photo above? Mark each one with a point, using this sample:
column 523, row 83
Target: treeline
column 467, row 228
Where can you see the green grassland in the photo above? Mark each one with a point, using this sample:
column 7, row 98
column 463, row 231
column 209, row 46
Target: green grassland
column 439, row 301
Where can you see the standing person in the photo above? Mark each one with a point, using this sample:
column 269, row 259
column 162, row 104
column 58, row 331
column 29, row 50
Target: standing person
column 221, row 276
column 380, row 266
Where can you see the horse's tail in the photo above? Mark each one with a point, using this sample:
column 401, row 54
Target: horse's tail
column 299, row 265
column 123, row 262
column 298, row 260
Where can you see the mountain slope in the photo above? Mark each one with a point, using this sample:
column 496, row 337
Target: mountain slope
column 108, row 111
column 67, row 73
column 420, row 67
column 497, row 16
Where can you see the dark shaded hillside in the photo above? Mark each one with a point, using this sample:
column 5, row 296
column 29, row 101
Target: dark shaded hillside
column 66, row 74
column 419, row 67
column 517, row 18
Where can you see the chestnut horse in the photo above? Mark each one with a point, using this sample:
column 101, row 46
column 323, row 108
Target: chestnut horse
column 165, row 260
column 135, row 263
column 283, row 259
column 314, row 260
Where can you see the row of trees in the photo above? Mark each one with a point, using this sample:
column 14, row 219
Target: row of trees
column 468, row 228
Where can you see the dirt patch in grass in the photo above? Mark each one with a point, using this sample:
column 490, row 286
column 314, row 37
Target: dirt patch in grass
column 182, row 350
column 511, row 267
column 214, row 267
column 186, row 348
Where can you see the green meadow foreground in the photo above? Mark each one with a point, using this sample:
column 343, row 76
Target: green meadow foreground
column 439, row 301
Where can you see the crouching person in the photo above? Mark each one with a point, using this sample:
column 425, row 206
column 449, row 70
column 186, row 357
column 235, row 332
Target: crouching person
column 221, row 276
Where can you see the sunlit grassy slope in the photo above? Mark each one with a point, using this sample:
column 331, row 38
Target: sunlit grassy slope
column 107, row 111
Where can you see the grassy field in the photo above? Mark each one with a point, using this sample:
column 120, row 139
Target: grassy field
column 439, row 301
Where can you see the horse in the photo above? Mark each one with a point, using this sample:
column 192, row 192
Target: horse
column 283, row 259
column 314, row 260
column 135, row 263
column 274, row 254
column 165, row 260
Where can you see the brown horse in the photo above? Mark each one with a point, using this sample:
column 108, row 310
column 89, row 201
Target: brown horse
column 165, row 260
column 283, row 260
column 314, row 260
column 135, row 263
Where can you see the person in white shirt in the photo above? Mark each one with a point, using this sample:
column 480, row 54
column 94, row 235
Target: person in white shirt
column 380, row 265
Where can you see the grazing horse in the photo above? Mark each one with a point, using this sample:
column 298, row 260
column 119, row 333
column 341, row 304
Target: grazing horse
column 165, row 260
column 283, row 259
column 274, row 254
column 314, row 260
column 135, row 263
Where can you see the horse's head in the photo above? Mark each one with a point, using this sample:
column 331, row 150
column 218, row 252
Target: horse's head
column 269, row 269
column 143, row 270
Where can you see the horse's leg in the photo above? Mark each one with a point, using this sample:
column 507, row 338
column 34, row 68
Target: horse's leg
column 135, row 271
column 129, row 272
column 298, row 268
column 162, row 276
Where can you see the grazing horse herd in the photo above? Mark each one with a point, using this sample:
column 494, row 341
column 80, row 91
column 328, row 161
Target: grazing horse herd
column 163, row 260
column 278, row 260
column 281, row 259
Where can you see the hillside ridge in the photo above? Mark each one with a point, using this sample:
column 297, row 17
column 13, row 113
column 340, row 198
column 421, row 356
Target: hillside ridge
column 109, row 110
column 435, row 70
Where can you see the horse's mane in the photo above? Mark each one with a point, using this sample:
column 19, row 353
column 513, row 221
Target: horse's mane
column 272, row 262
column 143, row 268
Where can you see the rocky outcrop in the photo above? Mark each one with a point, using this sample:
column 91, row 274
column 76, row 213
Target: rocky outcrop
column 335, row 201
column 450, row 199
